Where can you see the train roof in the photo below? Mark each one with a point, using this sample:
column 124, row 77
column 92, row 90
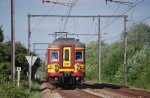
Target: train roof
column 66, row 41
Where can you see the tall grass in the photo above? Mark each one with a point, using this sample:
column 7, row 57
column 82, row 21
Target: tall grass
column 10, row 90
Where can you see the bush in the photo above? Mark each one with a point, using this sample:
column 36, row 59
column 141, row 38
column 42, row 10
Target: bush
column 10, row 90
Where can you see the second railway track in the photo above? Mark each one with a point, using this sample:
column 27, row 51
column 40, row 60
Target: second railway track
column 115, row 91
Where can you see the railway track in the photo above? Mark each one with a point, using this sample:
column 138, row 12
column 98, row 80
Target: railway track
column 115, row 91
column 76, row 93
column 91, row 90
column 53, row 91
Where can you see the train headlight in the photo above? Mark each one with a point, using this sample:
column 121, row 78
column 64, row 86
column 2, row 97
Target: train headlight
column 56, row 67
column 78, row 65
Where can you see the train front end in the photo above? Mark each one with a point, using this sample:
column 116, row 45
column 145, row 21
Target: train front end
column 66, row 61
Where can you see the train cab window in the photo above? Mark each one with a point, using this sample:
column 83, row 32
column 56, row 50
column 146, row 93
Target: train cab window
column 66, row 55
column 79, row 56
column 54, row 56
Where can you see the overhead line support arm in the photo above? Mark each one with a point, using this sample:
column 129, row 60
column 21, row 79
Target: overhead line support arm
column 77, row 16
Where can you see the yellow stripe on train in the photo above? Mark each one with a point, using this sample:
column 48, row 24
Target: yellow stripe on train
column 66, row 70
column 51, row 68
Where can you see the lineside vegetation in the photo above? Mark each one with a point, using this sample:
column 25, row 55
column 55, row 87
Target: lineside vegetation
column 7, row 88
column 138, row 69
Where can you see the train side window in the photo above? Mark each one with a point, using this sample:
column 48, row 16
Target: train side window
column 79, row 55
column 54, row 56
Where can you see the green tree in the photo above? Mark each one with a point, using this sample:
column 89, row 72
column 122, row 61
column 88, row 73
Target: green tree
column 92, row 59
column 7, row 88
column 139, row 56
column 139, row 34
column 113, row 62
column 20, row 60
column 112, row 67
column 1, row 35
column 139, row 68
column 1, row 40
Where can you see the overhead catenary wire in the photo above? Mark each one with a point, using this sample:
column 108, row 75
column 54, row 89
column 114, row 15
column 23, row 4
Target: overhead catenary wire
column 114, row 37
column 107, row 21
column 69, row 12
column 42, row 18
column 142, row 19
column 131, row 16
column 58, row 3
column 120, row 2
column 139, row 21
column 117, row 9
column 84, row 34
column 122, row 14
column 75, row 24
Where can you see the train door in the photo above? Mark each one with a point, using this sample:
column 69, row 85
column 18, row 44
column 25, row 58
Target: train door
column 66, row 56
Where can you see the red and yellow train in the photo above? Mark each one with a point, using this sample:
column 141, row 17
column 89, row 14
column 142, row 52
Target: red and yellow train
column 66, row 61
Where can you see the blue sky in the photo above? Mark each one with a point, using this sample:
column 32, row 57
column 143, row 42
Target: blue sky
column 41, row 27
